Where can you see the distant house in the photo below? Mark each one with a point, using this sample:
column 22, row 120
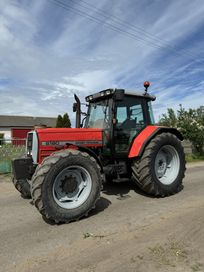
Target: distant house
column 19, row 126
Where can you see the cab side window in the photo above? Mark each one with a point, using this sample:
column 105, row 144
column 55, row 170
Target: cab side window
column 121, row 115
column 137, row 115
column 130, row 120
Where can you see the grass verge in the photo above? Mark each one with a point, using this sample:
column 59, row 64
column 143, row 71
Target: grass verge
column 194, row 157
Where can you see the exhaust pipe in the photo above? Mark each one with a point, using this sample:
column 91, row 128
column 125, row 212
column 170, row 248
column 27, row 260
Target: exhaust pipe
column 77, row 109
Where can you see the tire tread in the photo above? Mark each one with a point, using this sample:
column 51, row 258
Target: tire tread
column 38, row 179
column 141, row 168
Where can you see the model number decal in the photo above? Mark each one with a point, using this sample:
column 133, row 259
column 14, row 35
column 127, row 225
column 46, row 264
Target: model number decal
column 51, row 143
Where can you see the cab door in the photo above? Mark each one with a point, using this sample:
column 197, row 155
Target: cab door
column 130, row 120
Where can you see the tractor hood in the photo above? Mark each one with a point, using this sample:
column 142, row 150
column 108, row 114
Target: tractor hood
column 54, row 139
column 75, row 136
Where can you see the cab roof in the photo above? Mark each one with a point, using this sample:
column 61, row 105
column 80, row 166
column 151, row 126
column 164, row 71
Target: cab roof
column 114, row 92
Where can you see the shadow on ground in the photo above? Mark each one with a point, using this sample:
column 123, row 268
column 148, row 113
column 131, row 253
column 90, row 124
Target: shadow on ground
column 100, row 206
column 122, row 189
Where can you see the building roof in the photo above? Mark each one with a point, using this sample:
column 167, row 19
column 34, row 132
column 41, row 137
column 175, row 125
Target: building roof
column 26, row 121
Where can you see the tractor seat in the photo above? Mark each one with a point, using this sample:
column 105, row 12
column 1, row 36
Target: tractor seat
column 128, row 124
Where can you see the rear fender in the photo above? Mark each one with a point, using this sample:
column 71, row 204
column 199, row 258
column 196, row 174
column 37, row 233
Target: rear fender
column 146, row 135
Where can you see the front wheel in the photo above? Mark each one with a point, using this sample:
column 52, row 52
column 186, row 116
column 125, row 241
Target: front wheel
column 23, row 186
column 66, row 186
column 161, row 168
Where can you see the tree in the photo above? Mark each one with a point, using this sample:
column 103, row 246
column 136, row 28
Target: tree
column 63, row 121
column 59, row 122
column 169, row 119
column 66, row 121
column 190, row 123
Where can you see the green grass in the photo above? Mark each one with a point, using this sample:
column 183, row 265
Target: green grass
column 194, row 157
column 8, row 152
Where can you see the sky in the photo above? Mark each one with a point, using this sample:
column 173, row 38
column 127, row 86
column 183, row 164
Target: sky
column 51, row 49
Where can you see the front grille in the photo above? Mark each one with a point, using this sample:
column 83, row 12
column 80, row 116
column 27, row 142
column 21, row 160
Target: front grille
column 29, row 143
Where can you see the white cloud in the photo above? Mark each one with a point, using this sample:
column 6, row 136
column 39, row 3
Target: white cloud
column 45, row 63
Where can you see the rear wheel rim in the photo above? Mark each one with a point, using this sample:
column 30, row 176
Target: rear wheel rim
column 72, row 187
column 167, row 164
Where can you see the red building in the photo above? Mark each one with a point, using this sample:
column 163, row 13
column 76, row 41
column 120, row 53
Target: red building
column 15, row 128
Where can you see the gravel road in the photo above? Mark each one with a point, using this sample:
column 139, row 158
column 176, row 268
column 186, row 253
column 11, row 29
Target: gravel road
column 127, row 231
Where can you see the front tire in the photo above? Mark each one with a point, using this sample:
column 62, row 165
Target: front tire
column 66, row 186
column 23, row 186
column 161, row 169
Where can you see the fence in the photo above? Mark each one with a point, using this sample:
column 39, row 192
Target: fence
column 9, row 150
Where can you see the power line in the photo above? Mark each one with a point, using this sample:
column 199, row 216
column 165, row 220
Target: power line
column 115, row 28
column 108, row 25
column 139, row 30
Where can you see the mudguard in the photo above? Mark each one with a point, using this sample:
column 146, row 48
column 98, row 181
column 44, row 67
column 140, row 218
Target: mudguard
column 144, row 137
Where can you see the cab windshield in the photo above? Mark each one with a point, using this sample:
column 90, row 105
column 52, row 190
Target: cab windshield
column 98, row 115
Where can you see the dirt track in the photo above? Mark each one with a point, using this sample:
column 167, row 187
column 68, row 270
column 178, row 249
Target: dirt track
column 127, row 232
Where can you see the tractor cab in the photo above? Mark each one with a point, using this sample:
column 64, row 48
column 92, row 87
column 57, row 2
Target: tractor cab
column 121, row 114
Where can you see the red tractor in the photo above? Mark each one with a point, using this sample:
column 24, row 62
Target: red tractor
column 64, row 168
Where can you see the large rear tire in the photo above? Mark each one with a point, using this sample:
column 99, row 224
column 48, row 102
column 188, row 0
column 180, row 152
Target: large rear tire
column 23, row 186
column 66, row 186
column 161, row 169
